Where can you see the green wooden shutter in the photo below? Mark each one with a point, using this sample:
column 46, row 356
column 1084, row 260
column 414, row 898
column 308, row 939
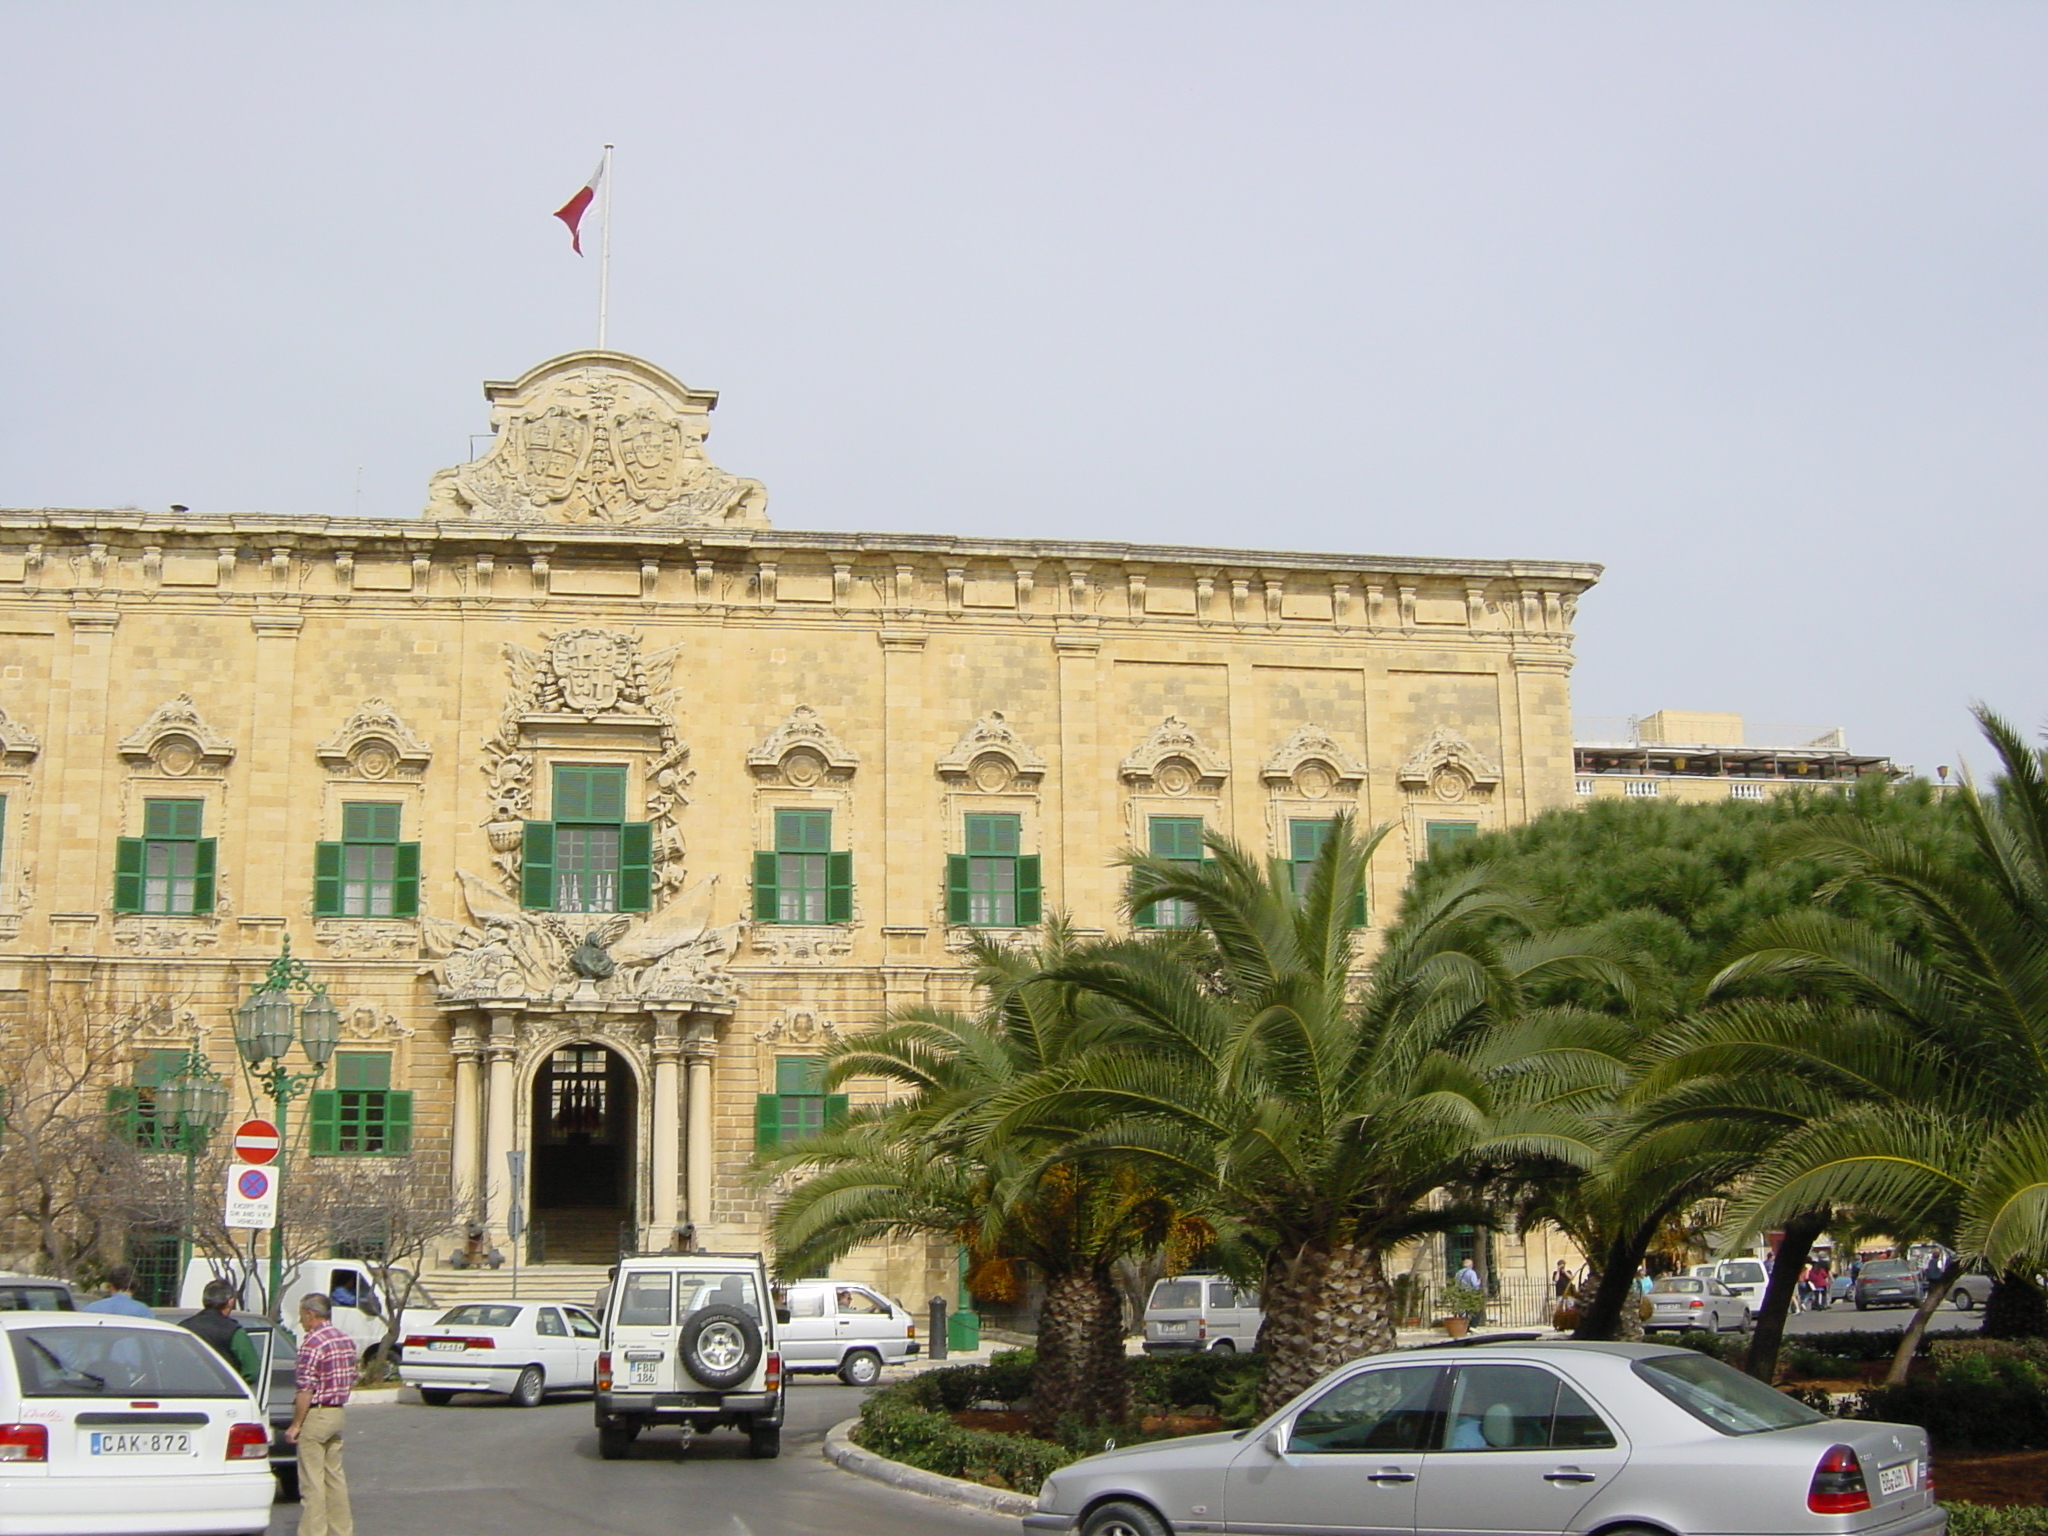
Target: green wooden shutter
column 767, row 1120
column 124, row 1110
column 835, row 1111
column 537, row 867
column 326, row 1123
column 959, row 909
column 767, row 903
column 327, row 879
column 398, row 1123
column 1030, row 897
column 636, row 866
column 1358, row 909
column 838, row 887
column 405, row 880
column 204, row 859
column 128, row 874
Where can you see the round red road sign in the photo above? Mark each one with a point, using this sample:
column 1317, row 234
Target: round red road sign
column 256, row 1141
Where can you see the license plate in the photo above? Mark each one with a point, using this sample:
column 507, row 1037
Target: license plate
column 1173, row 1328
column 1897, row 1479
column 642, row 1372
column 158, row 1443
column 448, row 1344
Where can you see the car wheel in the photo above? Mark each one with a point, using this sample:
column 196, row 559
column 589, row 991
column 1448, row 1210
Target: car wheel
column 720, row 1346
column 1223, row 1347
column 614, row 1441
column 528, row 1389
column 862, row 1368
column 1121, row 1517
column 1963, row 1299
column 1862, row 1305
column 436, row 1397
column 764, row 1442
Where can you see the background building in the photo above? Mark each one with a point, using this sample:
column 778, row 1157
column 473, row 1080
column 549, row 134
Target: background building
column 600, row 807
column 1688, row 755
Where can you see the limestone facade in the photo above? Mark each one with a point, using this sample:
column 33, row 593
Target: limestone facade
column 594, row 630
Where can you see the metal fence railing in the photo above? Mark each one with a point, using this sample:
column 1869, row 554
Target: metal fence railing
column 1512, row 1301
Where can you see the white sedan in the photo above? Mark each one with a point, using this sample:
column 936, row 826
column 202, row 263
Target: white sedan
column 524, row 1349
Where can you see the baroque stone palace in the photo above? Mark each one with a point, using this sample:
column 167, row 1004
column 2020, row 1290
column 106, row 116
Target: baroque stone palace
column 600, row 806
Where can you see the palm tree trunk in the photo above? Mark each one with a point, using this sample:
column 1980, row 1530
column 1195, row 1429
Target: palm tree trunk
column 1082, row 1371
column 1612, row 1305
column 1794, row 1248
column 1326, row 1303
column 1909, row 1343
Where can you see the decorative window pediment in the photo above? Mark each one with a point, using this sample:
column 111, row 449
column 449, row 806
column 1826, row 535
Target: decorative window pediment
column 1448, row 767
column 177, row 741
column 1172, row 760
column 1311, row 764
column 373, row 743
column 802, row 752
column 992, row 757
column 18, row 744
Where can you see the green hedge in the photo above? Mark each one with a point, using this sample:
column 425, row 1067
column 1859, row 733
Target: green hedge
column 894, row 1427
column 1977, row 1401
column 1996, row 1520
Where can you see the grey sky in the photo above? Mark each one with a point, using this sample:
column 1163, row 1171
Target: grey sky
column 1744, row 301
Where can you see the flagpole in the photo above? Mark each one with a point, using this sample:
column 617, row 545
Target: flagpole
column 604, row 260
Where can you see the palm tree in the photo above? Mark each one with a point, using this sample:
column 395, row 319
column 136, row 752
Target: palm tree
column 928, row 1164
column 1319, row 1107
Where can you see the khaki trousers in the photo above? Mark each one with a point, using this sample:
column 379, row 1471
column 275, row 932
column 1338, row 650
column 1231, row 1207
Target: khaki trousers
column 323, row 1489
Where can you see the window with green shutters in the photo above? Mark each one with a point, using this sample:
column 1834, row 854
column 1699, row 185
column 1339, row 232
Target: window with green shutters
column 992, row 884
column 801, row 880
column 799, row 1106
column 1305, row 842
column 369, row 873
column 1443, row 836
column 131, row 1110
column 169, row 868
column 1178, row 839
column 361, row 1115
column 589, row 858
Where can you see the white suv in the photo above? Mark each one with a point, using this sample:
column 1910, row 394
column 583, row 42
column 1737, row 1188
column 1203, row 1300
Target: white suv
column 689, row 1339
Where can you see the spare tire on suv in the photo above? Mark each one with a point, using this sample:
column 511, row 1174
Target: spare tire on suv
column 720, row 1346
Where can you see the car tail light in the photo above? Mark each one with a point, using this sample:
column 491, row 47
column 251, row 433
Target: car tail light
column 1926, row 1471
column 24, row 1442
column 910, row 1332
column 1697, row 1305
column 1838, row 1487
column 771, row 1377
column 1202, row 1328
column 248, row 1442
column 415, row 1341
column 604, row 1370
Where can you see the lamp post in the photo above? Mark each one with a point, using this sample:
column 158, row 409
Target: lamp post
column 191, row 1104
column 264, row 1029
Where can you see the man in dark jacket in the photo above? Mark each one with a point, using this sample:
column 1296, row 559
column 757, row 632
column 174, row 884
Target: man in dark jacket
column 213, row 1324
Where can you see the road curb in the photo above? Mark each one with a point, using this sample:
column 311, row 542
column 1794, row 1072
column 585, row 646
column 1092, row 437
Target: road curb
column 844, row 1454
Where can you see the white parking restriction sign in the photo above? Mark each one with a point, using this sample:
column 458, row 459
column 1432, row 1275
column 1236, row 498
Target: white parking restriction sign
column 252, row 1198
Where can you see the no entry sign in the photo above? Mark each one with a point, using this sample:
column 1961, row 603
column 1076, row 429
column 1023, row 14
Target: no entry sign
column 252, row 1198
column 256, row 1141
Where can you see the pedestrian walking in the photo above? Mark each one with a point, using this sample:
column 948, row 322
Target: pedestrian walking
column 213, row 1324
column 119, row 1298
column 326, row 1375
column 1817, row 1280
column 1471, row 1293
column 1561, row 1282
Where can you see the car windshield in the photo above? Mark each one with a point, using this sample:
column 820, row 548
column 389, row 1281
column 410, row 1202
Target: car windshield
column 1721, row 1397
column 110, row 1361
column 1177, row 1293
column 1743, row 1272
column 1677, row 1287
column 1886, row 1269
column 478, row 1316
column 34, row 1298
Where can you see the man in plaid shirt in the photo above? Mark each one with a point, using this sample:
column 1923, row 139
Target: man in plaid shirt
column 326, row 1374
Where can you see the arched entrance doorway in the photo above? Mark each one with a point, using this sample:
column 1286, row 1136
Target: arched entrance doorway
column 583, row 1159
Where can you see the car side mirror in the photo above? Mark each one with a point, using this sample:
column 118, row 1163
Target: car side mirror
column 1276, row 1439
column 781, row 1317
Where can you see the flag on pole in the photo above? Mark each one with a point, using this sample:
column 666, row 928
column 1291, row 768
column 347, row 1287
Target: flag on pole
column 571, row 213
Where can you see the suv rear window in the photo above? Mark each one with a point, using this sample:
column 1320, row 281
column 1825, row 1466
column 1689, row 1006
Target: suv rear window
column 1177, row 1293
column 118, row 1362
column 1721, row 1397
column 35, row 1298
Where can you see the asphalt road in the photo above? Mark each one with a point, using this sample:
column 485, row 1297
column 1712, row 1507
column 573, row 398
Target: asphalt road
column 482, row 1468
column 1842, row 1317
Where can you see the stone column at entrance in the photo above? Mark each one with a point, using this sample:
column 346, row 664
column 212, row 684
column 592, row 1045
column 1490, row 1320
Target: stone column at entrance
column 462, row 1130
column 667, row 1151
column 698, row 1051
column 497, row 1176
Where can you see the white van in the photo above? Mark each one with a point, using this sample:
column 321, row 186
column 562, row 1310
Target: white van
column 1745, row 1277
column 844, row 1326
column 689, row 1339
column 360, row 1305
column 1201, row 1312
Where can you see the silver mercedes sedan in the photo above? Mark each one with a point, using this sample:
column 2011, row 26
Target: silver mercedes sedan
column 1528, row 1438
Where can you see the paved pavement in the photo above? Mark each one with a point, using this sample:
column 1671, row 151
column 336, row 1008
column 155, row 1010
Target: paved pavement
column 482, row 1468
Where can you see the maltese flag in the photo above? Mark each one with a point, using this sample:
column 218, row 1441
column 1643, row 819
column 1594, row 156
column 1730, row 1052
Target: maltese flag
column 571, row 213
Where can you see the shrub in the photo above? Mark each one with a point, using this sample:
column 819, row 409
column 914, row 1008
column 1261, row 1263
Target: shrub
column 1182, row 1381
column 1977, row 1401
column 1730, row 1349
column 1994, row 1520
column 892, row 1425
column 2018, row 1308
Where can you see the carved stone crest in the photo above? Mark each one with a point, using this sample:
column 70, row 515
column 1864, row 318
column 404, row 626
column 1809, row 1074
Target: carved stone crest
column 18, row 744
column 1313, row 765
column 603, row 438
column 1173, row 761
column 799, row 1026
column 803, row 752
column 1448, row 767
column 373, row 743
column 177, row 741
column 592, row 667
column 992, row 757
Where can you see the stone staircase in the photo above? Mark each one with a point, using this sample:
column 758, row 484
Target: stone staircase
column 578, row 1284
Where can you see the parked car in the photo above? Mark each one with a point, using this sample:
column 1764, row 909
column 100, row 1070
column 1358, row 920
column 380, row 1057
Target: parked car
column 1970, row 1291
column 523, row 1349
column 690, row 1339
column 125, row 1423
column 1888, row 1283
column 1745, row 1277
column 1683, row 1301
column 1201, row 1312
column 36, row 1293
column 1516, row 1437
column 277, row 1357
column 843, row 1326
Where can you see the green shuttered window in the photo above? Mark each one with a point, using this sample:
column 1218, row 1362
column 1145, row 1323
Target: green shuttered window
column 799, row 1106
column 361, row 1115
column 369, row 873
column 802, row 880
column 1447, row 835
column 1305, row 840
column 589, row 858
column 1179, row 839
column 131, row 1110
column 992, row 884
column 169, row 869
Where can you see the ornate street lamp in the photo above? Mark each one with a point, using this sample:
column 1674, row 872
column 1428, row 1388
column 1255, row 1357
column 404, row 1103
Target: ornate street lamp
column 265, row 1026
column 190, row 1105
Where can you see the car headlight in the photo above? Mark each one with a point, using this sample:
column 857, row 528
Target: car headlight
column 1048, row 1495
